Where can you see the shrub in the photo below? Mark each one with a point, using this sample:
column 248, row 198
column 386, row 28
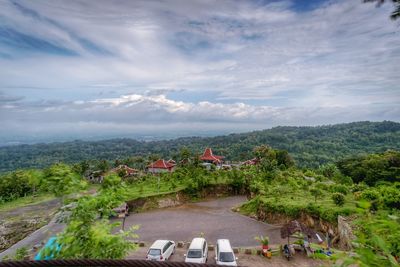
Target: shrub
column 338, row 199
column 339, row 188
column 358, row 187
column 322, row 186
column 370, row 194
column 342, row 179
column 315, row 192
column 21, row 254
column 391, row 196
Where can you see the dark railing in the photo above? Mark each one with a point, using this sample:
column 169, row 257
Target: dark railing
column 100, row 263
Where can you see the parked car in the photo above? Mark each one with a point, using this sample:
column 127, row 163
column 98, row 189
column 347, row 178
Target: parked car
column 161, row 250
column 198, row 251
column 224, row 253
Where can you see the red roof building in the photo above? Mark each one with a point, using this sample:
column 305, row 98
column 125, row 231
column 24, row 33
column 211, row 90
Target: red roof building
column 160, row 166
column 208, row 156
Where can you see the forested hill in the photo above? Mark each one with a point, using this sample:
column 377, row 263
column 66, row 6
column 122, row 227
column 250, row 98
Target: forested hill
column 310, row 146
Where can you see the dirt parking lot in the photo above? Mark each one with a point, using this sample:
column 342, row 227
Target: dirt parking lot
column 213, row 218
column 298, row 260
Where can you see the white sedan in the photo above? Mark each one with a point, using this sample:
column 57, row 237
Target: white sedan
column 161, row 250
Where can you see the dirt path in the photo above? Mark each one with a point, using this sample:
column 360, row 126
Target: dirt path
column 213, row 218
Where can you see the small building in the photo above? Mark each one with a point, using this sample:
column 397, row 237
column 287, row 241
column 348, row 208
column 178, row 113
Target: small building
column 209, row 157
column 160, row 166
column 96, row 177
column 253, row 161
column 125, row 170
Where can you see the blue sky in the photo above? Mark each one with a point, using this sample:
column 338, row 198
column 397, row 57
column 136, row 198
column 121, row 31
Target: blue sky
column 98, row 69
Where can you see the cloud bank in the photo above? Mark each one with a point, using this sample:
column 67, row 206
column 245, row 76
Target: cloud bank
column 78, row 69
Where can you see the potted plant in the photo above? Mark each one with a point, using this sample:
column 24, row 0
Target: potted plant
column 264, row 240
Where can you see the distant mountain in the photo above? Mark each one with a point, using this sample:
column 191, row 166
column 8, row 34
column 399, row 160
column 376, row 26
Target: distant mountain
column 310, row 146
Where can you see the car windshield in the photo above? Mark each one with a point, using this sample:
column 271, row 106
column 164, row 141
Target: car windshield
column 154, row 252
column 194, row 253
column 226, row 257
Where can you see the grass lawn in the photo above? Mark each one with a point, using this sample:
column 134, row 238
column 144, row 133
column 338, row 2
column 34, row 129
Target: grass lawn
column 25, row 201
column 150, row 187
column 40, row 197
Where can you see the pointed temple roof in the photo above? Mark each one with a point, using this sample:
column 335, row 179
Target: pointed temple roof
column 208, row 155
column 161, row 164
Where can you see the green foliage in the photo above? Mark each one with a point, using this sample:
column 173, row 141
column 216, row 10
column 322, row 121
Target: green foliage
column 15, row 185
column 340, row 188
column 338, row 199
column 358, row 187
column 309, row 146
column 372, row 168
column 21, row 254
column 378, row 241
column 370, row 194
column 60, row 180
column 89, row 235
column 236, row 180
column 110, row 181
column 391, row 195
column 103, row 165
column 316, row 193
column 264, row 240
column 329, row 170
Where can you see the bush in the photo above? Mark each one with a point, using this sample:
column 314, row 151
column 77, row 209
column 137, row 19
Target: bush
column 21, row 254
column 358, row 187
column 316, row 193
column 342, row 179
column 391, row 196
column 339, row 188
column 338, row 199
column 322, row 186
column 14, row 185
column 370, row 194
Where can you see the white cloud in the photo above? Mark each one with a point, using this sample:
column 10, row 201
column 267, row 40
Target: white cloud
column 335, row 63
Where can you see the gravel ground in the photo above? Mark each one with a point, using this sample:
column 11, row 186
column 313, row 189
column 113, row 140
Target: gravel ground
column 213, row 218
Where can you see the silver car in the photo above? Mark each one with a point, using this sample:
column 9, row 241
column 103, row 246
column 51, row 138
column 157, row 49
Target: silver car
column 161, row 250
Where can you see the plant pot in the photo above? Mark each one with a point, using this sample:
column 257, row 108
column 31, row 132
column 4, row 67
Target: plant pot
column 264, row 247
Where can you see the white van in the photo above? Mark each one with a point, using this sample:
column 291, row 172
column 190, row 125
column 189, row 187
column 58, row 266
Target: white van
column 224, row 253
column 161, row 250
column 198, row 251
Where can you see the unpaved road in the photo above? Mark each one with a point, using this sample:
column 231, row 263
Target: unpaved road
column 213, row 218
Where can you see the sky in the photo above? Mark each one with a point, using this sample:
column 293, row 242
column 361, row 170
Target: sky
column 93, row 69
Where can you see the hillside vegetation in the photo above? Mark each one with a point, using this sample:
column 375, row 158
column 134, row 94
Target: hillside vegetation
column 309, row 146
